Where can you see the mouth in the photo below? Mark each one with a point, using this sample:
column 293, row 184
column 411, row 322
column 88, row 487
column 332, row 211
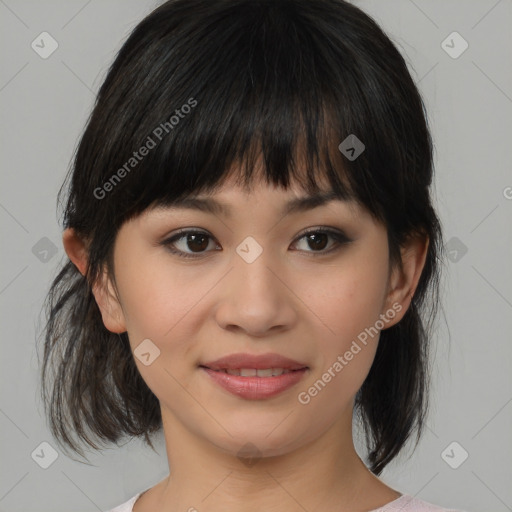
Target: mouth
column 254, row 387
column 246, row 364
column 255, row 372
column 255, row 377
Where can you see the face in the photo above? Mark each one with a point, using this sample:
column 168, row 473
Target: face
column 195, row 286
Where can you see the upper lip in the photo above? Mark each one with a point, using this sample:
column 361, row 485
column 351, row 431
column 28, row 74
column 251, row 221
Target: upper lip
column 259, row 362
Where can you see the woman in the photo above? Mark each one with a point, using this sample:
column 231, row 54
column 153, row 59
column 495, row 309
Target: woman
column 253, row 258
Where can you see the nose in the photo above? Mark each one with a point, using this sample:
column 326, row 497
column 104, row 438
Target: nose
column 256, row 298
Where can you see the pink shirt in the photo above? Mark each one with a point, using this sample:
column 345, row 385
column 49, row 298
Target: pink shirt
column 405, row 503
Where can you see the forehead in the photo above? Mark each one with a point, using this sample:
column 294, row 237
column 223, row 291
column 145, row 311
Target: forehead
column 232, row 193
column 229, row 199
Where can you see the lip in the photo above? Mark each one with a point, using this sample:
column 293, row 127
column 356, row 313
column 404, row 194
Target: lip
column 259, row 362
column 255, row 388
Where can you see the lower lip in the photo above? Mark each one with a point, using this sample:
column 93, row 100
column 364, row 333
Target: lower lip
column 256, row 388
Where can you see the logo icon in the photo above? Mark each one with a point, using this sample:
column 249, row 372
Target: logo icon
column 146, row 352
column 454, row 45
column 351, row 147
column 455, row 249
column 44, row 45
column 249, row 454
column 44, row 250
column 454, row 455
column 249, row 249
column 44, row 455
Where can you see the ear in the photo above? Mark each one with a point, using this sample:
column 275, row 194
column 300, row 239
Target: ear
column 103, row 289
column 403, row 281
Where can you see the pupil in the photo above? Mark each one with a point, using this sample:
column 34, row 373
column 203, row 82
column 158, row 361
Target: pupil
column 193, row 239
column 314, row 237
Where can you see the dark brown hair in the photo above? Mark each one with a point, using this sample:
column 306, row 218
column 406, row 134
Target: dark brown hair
column 260, row 77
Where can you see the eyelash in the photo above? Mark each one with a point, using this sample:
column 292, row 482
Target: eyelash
column 339, row 237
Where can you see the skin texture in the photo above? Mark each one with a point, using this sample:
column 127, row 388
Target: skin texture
column 290, row 300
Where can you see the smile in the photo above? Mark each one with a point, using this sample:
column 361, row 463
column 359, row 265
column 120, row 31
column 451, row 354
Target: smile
column 253, row 372
column 255, row 384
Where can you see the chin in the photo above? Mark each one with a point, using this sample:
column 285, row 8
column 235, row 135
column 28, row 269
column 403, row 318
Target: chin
column 255, row 443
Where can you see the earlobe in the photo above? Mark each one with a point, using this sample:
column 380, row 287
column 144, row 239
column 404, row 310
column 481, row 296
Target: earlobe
column 103, row 291
column 404, row 281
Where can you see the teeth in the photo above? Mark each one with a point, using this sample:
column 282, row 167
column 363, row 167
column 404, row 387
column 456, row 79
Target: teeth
column 253, row 372
column 265, row 373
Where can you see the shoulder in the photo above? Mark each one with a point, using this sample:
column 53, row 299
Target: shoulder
column 127, row 506
column 407, row 503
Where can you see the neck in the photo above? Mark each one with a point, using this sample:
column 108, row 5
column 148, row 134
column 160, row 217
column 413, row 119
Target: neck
column 324, row 472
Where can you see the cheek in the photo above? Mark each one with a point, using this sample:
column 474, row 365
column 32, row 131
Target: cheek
column 346, row 300
column 348, row 297
column 156, row 296
column 158, row 305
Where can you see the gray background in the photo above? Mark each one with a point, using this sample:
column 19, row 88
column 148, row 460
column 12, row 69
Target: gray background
column 44, row 105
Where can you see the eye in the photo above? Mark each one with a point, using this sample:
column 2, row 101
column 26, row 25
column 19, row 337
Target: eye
column 198, row 241
column 317, row 238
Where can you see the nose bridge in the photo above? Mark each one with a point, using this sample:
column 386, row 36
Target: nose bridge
column 252, row 266
column 254, row 299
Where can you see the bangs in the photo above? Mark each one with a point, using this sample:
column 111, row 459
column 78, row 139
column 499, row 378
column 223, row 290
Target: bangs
column 273, row 140
column 213, row 97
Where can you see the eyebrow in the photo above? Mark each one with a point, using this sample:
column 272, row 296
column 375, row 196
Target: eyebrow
column 295, row 205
